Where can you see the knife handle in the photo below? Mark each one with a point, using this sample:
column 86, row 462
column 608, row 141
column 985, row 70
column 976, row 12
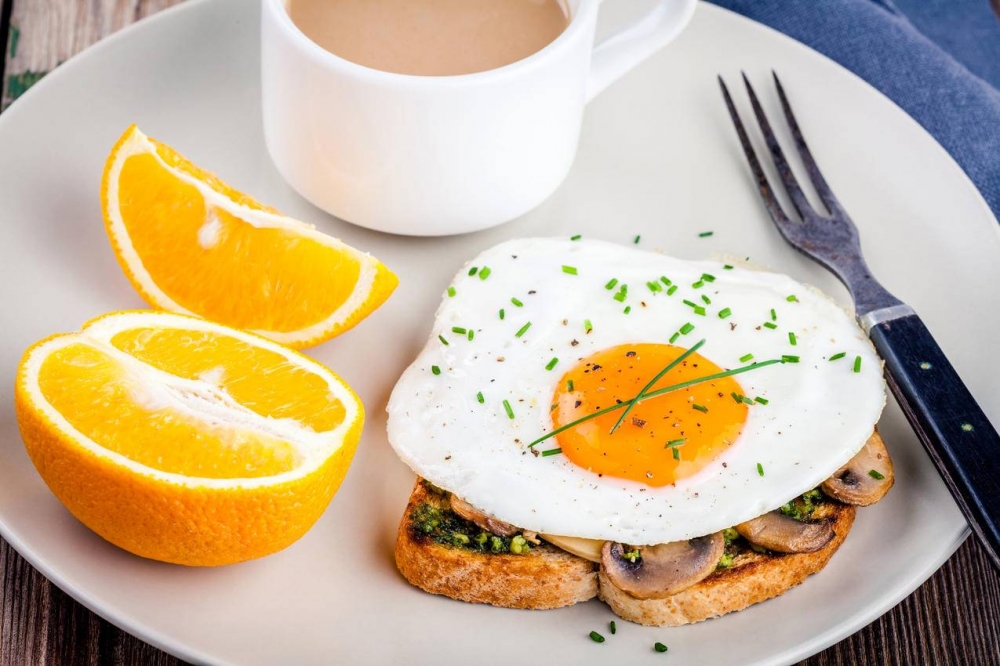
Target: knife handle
column 959, row 438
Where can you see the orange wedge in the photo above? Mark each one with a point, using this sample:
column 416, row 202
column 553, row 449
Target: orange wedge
column 191, row 244
column 182, row 440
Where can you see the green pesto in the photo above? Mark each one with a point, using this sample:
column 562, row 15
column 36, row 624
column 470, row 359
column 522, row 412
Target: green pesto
column 447, row 528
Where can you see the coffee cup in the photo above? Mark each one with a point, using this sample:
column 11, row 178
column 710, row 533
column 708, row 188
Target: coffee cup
column 439, row 155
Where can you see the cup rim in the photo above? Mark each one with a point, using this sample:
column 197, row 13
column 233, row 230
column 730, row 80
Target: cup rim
column 318, row 53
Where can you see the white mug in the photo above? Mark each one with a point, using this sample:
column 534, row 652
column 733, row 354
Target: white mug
column 436, row 155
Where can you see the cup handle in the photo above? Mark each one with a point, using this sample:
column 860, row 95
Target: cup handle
column 619, row 53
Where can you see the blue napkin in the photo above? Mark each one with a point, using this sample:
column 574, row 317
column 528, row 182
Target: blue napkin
column 939, row 60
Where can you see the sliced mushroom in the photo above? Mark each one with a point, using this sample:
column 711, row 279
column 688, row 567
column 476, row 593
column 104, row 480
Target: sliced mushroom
column 776, row 531
column 488, row 523
column 659, row 571
column 866, row 477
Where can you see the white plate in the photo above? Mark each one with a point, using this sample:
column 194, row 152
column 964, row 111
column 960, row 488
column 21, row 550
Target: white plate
column 658, row 158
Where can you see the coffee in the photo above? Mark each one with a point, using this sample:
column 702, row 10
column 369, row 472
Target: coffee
column 431, row 37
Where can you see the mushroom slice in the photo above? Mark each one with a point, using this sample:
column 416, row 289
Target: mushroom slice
column 488, row 523
column 655, row 572
column 866, row 477
column 776, row 531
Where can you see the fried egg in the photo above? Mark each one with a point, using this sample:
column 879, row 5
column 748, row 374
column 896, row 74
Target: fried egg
column 753, row 388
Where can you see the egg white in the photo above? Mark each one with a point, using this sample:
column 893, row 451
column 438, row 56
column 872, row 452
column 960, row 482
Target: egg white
column 819, row 412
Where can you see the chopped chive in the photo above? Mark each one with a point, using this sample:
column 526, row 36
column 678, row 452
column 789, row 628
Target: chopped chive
column 708, row 277
column 611, row 284
column 451, row 292
column 705, row 234
column 701, row 408
column 551, row 452
column 472, row 334
column 654, row 287
column 698, row 310
column 674, row 442
column 637, row 238
column 761, row 400
column 552, row 363
column 443, row 341
column 481, row 398
column 521, row 331
column 706, row 300
column 613, row 627
column 575, row 237
column 699, row 284
column 553, row 406
column 628, row 308
column 596, row 637
column 676, row 453
column 727, row 267
column 436, row 370
column 621, row 296
column 857, row 364
column 736, row 397
column 660, row 647
column 569, row 385
column 875, row 474
column 746, row 357
column 517, row 302
column 690, row 304
column 459, row 330
column 502, row 314
column 665, row 280
column 569, row 270
column 507, row 408
column 774, row 315
column 673, row 338
column 760, row 469
column 587, row 326
column 792, row 299
column 687, row 328
column 770, row 325
column 792, row 339
column 724, row 312
column 485, row 273
column 785, row 358
column 472, row 271
column 671, row 290
column 838, row 356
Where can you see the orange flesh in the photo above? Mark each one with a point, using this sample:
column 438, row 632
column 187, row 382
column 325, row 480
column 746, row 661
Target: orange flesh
column 639, row 450
column 163, row 217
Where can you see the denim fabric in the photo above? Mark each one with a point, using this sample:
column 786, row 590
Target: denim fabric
column 939, row 60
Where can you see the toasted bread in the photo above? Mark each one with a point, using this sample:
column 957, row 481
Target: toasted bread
column 752, row 578
column 544, row 577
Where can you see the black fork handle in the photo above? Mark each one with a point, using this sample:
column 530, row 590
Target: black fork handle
column 951, row 425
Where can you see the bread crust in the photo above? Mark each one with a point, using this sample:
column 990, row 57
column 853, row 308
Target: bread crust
column 545, row 577
column 754, row 577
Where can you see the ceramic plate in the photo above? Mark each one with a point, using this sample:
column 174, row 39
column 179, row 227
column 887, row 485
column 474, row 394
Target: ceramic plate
column 657, row 158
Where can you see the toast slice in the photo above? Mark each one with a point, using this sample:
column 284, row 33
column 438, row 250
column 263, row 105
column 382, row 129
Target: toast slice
column 432, row 554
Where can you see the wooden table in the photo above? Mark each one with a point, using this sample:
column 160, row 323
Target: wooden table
column 953, row 619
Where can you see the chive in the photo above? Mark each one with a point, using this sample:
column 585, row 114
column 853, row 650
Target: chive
column 690, row 304
column 472, row 334
column 551, row 452
column 838, row 356
column 552, row 363
column 676, row 453
column 706, row 300
column 553, row 407
column 875, row 474
column 485, row 273
column 687, row 328
column 660, row 647
column 596, row 637
column 443, row 341
column 698, row 310
column 451, row 292
column 747, row 401
column 701, row 408
column 587, row 326
column 774, row 315
column 654, row 287
column 705, row 234
column 671, row 290
column 569, row 270
column 746, row 357
column 628, row 308
column 524, row 329
column 621, row 296
column 761, row 400
column 699, row 284
column 674, row 442
column 613, row 627
column 786, row 358
column 458, row 330
column 727, row 267
column 792, row 339
column 724, row 312
column 436, row 370
column 665, row 280
column 636, row 241
column 670, row 366
column 673, row 338
column 481, row 398
column 611, row 284
column 708, row 277
column 737, row 397
column 857, row 364
column 569, row 385
column 770, row 325
column 517, row 302
column 575, row 237
column 472, row 271
column 760, row 469
column 507, row 408
column 502, row 314
column 792, row 299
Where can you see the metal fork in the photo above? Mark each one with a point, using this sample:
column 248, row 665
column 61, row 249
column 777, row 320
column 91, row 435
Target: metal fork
column 952, row 427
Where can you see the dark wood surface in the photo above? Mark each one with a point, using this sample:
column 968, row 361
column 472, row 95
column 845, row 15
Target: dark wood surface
column 954, row 618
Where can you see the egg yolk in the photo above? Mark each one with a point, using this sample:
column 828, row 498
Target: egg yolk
column 663, row 438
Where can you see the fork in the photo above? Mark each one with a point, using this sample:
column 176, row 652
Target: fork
column 952, row 427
